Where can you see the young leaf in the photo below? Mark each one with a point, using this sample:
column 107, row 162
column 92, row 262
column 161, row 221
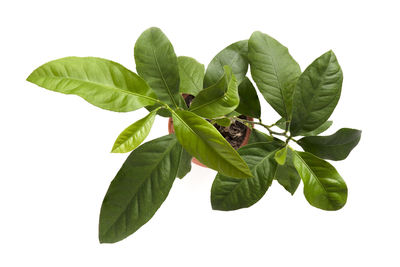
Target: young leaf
column 191, row 75
column 219, row 99
column 235, row 56
column 280, row 156
column 139, row 188
column 204, row 142
column 103, row 83
column 249, row 104
column 185, row 164
column 229, row 193
column 134, row 135
column 223, row 122
column 274, row 71
column 324, row 188
column 316, row 94
column 157, row 63
column 287, row 175
column 334, row 147
column 325, row 126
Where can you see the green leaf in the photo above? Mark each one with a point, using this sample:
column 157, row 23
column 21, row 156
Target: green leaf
column 101, row 82
column 191, row 75
column 204, row 142
column 139, row 188
column 185, row 164
column 287, row 175
column 225, row 122
column 325, row 126
column 324, row 188
column 280, row 156
column 274, row 71
column 235, row 56
column 317, row 93
column 219, row 99
column 134, row 135
column 257, row 136
column 281, row 123
column 228, row 193
column 157, row 63
column 249, row 104
column 334, row 147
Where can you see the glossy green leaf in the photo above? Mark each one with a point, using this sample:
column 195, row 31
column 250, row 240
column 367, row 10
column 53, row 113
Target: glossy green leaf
column 204, row 142
column 223, row 122
column 185, row 164
column 287, row 175
column 191, row 75
column 280, row 156
column 324, row 188
column 157, row 63
column 317, row 93
column 249, row 104
column 274, row 71
column 235, row 56
column 228, row 193
column 134, row 135
column 334, row 147
column 219, row 99
column 139, row 188
column 257, row 136
column 325, row 126
column 101, row 82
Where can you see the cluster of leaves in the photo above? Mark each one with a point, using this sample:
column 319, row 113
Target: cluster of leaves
column 304, row 100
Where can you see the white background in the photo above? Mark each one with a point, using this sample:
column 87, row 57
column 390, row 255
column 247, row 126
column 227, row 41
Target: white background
column 55, row 163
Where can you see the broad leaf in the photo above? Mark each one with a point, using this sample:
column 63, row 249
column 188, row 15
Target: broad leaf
column 185, row 164
column 280, row 156
column 219, row 99
column 204, row 142
column 274, row 71
column 191, row 75
column 134, row 135
column 324, row 188
column 334, row 147
column 316, row 95
column 235, row 56
column 157, row 63
column 249, row 104
column 325, row 126
column 101, row 82
column 229, row 193
column 287, row 175
column 257, row 136
column 140, row 187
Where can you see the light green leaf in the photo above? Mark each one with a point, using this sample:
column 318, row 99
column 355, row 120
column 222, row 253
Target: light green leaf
column 334, row 147
column 134, row 135
column 185, row 164
column 140, row 187
column 235, row 56
column 249, row 104
column 325, row 126
column 225, row 122
column 280, row 156
column 101, row 82
column 317, row 93
column 274, row 71
column 205, row 143
column 157, row 63
column 229, row 193
column 324, row 188
column 287, row 175
column 191, row 74
column 219, row 99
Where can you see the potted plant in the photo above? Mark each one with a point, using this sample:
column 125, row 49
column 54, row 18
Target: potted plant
column 222, row 97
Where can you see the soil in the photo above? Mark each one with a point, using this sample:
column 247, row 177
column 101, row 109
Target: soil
column 234, row 134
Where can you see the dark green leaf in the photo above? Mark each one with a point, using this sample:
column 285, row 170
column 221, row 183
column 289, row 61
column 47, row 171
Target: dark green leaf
column 191, row 74
column 287, row 175
column 334, row 147
column 204, row 142
column 235, row 56
column 157, row 63
column 140, row 187
column 249, row 104
column 228, row 193
column 274, row 71
column 219, row 99
column 185, row 164
column 256, row 137
column 316, row 95
column 101, row 82
column 324, row 188
column 325, row 126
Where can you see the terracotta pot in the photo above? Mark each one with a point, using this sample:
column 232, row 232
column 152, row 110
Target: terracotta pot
column 194, row 160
